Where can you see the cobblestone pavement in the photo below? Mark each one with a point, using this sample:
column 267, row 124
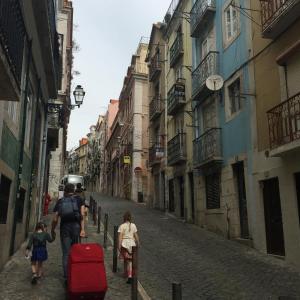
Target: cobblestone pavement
column 16, row 275
column 207, row 265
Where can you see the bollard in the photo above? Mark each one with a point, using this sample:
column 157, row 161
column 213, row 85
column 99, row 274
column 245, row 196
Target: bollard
column 176, row 291
column 99, row 220
column 134, row 285
column 115, row 251
column 95, row 213
column 105, row 231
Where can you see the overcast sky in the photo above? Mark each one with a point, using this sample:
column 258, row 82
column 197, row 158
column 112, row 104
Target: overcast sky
column 108, row 33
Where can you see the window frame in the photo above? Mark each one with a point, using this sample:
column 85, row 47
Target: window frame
column 228, row 40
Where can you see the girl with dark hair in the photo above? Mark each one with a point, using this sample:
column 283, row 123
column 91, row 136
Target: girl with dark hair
column 128, row 238
column 38, row 241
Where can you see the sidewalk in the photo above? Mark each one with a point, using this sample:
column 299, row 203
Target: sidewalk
column 16, row 275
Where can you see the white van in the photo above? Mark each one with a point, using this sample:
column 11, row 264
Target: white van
column 74, row 179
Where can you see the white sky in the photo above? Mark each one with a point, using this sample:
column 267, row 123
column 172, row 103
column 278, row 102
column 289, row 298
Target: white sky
column 108, row 32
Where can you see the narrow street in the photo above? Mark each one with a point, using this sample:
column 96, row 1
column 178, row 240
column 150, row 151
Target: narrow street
column 208, row 266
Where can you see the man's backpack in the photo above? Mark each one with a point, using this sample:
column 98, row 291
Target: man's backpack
column 69, row 210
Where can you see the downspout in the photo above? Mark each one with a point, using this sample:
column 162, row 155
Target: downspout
column 21, row 148
column 43, row 164
column 32, row 158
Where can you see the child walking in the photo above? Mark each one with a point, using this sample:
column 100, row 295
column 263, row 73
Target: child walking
column 38, row 241
column 128, row 238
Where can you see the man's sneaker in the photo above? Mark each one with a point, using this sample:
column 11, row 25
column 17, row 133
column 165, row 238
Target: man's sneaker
column 34, row 279
column 129, row 280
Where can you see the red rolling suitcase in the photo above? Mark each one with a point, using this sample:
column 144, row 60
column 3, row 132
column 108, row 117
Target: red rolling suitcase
column 86, row 272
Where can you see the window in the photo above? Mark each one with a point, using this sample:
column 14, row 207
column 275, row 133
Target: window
column 179, row 74
column 4, row 197
column 212, row 185
column 20, row 205
column 297, row 181
column 209, row 114
column 234, row 94
column 12, row 109
column 231, row 23
column 197, row 116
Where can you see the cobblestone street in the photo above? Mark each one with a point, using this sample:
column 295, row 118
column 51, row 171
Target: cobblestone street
column 16, row 275
column 208, row 266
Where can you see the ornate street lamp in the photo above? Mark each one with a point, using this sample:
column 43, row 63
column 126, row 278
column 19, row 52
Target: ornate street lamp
column 79, row 94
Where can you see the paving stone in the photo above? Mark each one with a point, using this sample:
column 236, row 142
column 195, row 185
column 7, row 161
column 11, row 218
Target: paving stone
column 207, row 265
column 16, row 275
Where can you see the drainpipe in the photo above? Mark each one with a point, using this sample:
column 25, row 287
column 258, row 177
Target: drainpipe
column 21, row 147
column 43, row 164
column 166, row 133
column 32, row 158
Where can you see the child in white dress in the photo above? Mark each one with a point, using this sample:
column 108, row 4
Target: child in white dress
column 128, row 238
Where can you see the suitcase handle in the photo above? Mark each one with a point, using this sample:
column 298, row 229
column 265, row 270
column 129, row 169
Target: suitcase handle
column 80, row 239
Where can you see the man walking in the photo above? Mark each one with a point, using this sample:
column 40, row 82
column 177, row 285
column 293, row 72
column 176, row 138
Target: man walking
column 70, row 211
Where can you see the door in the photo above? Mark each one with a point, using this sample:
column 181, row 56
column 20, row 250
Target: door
column 156, row 191
column 191, row 180
column 171, row 195
column 273, row 218
column 238, row 170
column 181, row 195
column 297, row 181
column 163, row 194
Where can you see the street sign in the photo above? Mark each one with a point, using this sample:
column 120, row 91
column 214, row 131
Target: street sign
column 126, row 159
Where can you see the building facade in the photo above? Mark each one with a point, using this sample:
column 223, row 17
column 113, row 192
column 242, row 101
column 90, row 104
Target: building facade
column 65, row 33
column 29, row 78
column 133, row 123
column 179, row 117
column 157, row 160
column 276, row 166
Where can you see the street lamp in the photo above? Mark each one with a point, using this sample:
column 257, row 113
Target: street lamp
column 79, row 94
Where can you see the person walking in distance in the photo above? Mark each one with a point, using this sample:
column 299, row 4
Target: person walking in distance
column 79, row 191
column 70, row 211
column 38, row 241
column 128, row 238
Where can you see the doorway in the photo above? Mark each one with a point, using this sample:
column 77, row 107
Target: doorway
column 273, row 217
column 171, row 196
column 238, row 170
column 181, row 195
column 192, row 198
column 297, row 181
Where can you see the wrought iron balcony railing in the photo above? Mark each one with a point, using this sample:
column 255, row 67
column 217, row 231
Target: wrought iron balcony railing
column 12, row 35
column 201, row 11
column 208, row 66
column 176, row 50
column 284, row 122
column 277, row 15
column 156, row 152
column 155, row 66
column 177, row 149
column 207, row 148
column 176, row 97
column 155, row 107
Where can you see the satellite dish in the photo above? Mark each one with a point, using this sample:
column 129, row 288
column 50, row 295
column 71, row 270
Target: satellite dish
column 214, row 82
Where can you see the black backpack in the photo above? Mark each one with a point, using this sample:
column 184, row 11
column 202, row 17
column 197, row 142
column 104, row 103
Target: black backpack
column 69, row 210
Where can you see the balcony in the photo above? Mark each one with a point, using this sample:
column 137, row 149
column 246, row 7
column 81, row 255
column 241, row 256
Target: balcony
column 176, row 97
column 208, row 66
column 44, row 13
column 277, row 16
column 284, row 126
column 177, row 149
column 156, row 152
column 12, row 41
column 154, row 67
column 207, row 148
column 201, row 13
column 176, row 50
column 155, row 107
